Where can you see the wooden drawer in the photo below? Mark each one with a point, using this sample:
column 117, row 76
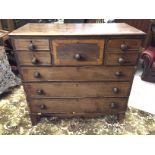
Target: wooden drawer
column 78, row 52
column 121, row 58
column 73, row 106
column 78, row 89
column 31, row 44
column 124, row 44
column 34, row 58
column 83, row 73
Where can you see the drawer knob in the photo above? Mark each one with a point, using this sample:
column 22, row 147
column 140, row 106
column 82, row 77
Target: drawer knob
column 115, row 90
column 124, row 47
column 118, row 74
column 34, row 60
column 39, row 91
column 77, row 56
column 121, row 60
column 42, row 106
column 114, row 105
column 37, row 75
column 31, row 47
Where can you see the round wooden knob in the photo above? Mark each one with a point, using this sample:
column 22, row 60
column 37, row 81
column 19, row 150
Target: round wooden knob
column 115, row 90
column 34, row 60
column 113, row 105
column 118, row 74
column 124, row 47
column 31, row 47
column 37, row 75
column 42, row 106
column 121, row 60
column 39, row 91
column 77, row 56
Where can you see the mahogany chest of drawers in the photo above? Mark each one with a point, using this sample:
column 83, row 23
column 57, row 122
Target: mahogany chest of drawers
column 71, row 70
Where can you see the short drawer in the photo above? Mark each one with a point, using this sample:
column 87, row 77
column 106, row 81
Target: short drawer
column 73, row 106
column 31, row 44
column 124, row 44
column 121, row 58
column 34, row 58
column 78, row 89
column 81, row 73
column 78, row 52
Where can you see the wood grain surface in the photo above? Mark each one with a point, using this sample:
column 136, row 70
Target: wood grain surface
column 83, row 73
column 78, row 89
column 43, row 29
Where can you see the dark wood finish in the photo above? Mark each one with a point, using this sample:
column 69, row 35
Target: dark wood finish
column 72, row 106
column 34, row 58
column 74, row 52
column 121, row 58
column 7, row 24
column 35, row 118
column 85, row 70
column 77, row 89
column 3, row 36
column 121, row 117
column 83, row 73
column 24, row 44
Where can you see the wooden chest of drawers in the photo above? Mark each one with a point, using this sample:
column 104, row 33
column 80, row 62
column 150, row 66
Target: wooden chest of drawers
column 71, row 70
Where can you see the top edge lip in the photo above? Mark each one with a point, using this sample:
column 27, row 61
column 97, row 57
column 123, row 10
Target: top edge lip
column 26, row 31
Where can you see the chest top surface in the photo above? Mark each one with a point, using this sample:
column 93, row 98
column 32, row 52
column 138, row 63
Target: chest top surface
column 87, row 29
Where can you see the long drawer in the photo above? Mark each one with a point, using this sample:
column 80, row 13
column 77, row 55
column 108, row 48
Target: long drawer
column 78, row 89
column 83, row 73
column 73, row 106
column 34, row 58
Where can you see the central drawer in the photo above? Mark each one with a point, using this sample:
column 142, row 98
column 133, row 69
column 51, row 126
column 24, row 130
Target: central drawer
column 82, row 73
column 78, row 52
column 73, row 106
column 78, row 89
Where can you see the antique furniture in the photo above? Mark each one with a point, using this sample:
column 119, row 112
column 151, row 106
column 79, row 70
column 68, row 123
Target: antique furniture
column 71, row 70
column 148, row 57
column 7, row 24
column 3, row 36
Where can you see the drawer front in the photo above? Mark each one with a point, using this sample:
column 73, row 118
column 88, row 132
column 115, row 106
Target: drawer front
column 83, row 73
column 78, row 89
column 124, row 44
column 121, row 58
column 34, row 58
column 73, row 106
column 31, row 44
column 78, row 52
